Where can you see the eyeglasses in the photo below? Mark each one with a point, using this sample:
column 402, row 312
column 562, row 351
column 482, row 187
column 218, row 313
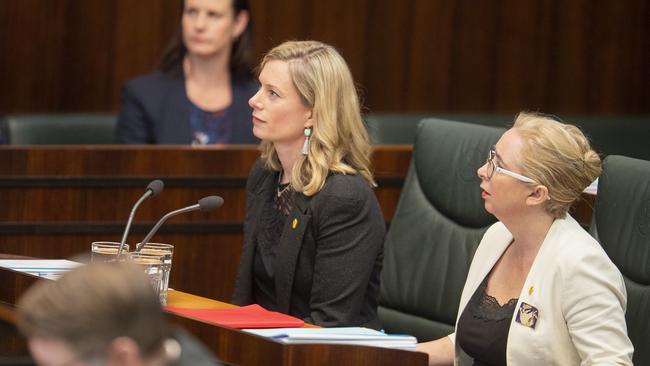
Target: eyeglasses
column 492, row 167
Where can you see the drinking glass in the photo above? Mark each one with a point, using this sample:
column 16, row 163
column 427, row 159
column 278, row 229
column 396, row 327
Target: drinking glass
column 165, row 252
column 152, row 267
column 106, row 251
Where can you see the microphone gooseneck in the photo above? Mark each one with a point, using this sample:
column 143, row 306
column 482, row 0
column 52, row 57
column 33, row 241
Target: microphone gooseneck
column 205, row 204
column 153, row 189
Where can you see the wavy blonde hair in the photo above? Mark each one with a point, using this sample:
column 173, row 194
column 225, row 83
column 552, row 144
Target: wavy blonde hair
column 558, row 156
column 339, row 140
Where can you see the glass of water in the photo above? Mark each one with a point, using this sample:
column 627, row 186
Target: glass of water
column 152, row 266
column 106, row 251
column 166, row 253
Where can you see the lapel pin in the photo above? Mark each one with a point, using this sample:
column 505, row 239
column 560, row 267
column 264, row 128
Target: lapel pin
column 530, row 290
column 527, row 315
column 294, row 223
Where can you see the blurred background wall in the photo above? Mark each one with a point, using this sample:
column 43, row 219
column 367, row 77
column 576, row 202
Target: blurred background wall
column 437, row 56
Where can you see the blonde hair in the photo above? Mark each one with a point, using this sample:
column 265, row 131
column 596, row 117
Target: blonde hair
column 558, row 156
column 339, row 140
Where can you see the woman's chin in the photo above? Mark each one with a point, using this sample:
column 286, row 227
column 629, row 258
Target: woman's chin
column 488, row 208
column 259, row 133
column 201, row 50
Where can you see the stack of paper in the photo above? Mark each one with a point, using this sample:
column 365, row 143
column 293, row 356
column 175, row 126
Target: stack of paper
column 350, row 335
column 47, row 268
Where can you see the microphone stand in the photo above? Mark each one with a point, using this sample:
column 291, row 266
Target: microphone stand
column 162, row 221
column 130, row 220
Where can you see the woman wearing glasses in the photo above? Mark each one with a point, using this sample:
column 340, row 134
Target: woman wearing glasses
column 540, row 289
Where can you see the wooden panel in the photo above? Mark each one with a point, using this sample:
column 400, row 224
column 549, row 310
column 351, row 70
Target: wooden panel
column 31, row 32
column 73, row 55
column 57, row 200
column 563, row 57
column 231, row 345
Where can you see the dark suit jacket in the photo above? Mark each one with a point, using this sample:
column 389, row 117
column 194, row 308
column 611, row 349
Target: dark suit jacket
column 155, row 110
column 327, row 268
column 193, row 352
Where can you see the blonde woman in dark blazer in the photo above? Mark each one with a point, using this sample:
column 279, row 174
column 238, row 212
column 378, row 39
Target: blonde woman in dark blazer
column 314, row 232
column 540, row 289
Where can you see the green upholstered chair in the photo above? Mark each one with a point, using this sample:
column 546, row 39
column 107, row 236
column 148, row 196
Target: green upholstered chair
column 56, row 129
column 386, row 129
column 609, row 135
column 438, row 223
column 622, row 226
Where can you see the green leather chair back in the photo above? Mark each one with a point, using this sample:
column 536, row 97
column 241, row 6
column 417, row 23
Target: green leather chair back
column 622, row 226
column 385, row 129
column 609, row 135
column 438, row 224
column 57, row 129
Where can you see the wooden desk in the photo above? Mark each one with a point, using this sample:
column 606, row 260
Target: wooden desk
column 230, row 345
column 56, row 200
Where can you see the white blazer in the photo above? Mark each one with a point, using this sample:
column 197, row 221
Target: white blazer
column 579, row 295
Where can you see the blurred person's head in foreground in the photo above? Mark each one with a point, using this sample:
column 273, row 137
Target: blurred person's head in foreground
column 99, row 314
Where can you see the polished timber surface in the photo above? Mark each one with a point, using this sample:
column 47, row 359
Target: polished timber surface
column 230, row 345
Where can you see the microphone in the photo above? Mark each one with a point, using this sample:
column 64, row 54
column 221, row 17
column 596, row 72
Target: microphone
column 153, row 189
column 205, row 204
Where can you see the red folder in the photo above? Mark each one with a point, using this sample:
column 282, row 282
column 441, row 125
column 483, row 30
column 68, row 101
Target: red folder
column 251, row 316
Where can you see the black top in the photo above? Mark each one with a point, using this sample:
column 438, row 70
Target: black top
column 483, row 327
column 192, row 351
column 328, row 259
column 272, row 222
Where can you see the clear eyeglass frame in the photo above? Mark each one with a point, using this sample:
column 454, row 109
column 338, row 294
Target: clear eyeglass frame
column 492, row 167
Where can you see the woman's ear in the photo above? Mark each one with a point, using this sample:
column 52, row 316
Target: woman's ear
column 241, row 22
column 310, row 120
column 538, row 195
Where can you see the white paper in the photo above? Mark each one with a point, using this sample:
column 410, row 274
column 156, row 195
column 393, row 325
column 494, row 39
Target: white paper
column 346, row 335
column 280, row 332
column 47, row 268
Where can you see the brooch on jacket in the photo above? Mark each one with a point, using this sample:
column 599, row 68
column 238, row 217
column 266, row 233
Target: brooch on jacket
column 527, row 315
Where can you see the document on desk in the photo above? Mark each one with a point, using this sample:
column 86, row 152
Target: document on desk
column 46, row 268
column 251, row 316
column 345, row 335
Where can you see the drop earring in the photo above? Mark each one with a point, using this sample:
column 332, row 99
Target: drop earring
column 305, row 146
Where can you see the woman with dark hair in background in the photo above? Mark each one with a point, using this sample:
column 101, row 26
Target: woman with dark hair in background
column 200, row 93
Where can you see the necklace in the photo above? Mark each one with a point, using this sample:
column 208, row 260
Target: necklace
column 286, row 188
column 281, row 191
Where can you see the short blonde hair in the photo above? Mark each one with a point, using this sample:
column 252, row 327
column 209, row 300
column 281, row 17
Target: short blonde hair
column 558, row 156
column 339, row 140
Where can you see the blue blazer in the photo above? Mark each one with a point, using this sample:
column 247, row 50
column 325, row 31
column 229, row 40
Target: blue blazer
column 155, row 110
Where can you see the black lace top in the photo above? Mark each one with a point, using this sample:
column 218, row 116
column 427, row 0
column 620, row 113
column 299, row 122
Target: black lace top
column 271, row 224
column 483, row 327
